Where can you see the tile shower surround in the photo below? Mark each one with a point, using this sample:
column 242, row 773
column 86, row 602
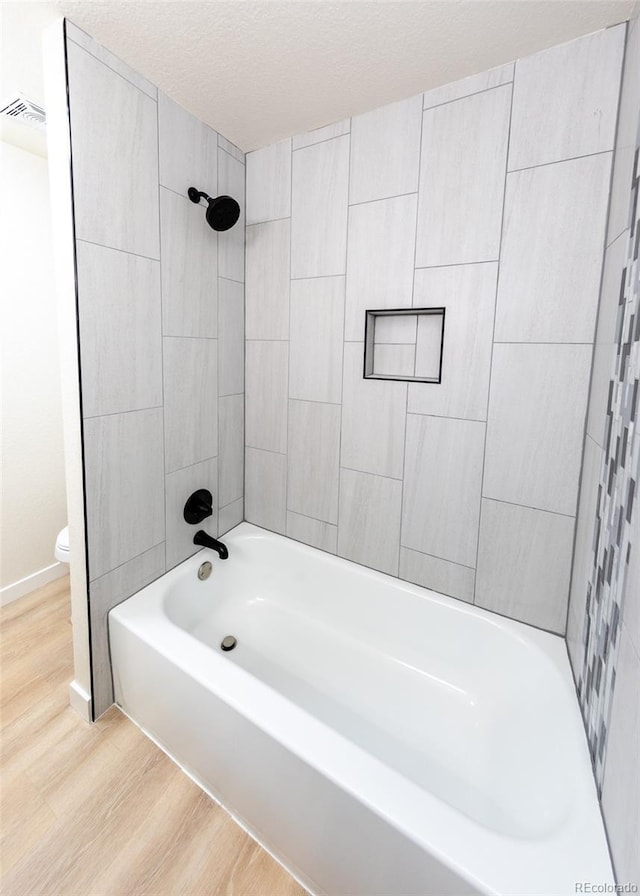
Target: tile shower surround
column 465, row 197
column 603, row 627
column 352, row 216
column 161, row 321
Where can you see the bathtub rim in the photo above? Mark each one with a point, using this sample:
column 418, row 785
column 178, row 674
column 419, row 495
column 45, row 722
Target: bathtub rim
column 403, row 805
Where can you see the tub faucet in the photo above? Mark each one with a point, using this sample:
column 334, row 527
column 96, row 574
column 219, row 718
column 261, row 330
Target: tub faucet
column 206, row 541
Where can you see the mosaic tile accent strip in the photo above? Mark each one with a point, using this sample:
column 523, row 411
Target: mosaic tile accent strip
column 617, row 498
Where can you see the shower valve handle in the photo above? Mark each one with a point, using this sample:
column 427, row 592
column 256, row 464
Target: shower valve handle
column 199, row 506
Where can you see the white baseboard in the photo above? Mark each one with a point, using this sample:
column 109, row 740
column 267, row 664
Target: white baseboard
column 30, row 583
column 80, row 701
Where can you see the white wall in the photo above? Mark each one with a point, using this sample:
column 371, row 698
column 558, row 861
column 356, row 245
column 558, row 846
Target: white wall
column 33, row 480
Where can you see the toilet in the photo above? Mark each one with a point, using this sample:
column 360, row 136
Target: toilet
column 62, row 546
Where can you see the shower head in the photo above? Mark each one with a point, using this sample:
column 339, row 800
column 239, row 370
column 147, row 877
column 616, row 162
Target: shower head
column 222, row 212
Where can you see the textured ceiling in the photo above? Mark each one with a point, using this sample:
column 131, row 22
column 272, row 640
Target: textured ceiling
column 261, row 70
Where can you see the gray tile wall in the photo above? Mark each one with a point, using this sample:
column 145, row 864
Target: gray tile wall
column 603, row 627
column 488, row 197
column 161, row 317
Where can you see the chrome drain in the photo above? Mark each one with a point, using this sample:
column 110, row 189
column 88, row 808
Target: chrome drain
column 204, row 571
column 228, row 642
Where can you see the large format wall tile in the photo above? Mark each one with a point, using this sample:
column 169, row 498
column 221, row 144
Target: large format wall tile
column 269, row 183
column 468, row 293
column 124, row 487
column 189, row 265
column 551, row 258
column 319, row 209
column 315, row 346
column 188, row 150
column 380, row 259
column 373, row 419
column 619, row 217
column 565, row 100
column 536, row 425
column 231, row 242
column 120, row 330
column 612, row 293
column 148, row 269
column 265, row 489
column 314, row 459
column 179, row 486
column 267, row 286
column 115, row 158
column 104, row 594
column 442, row 487
column 319, row 135
column 230, row 516
column 524, row 564
column 438, row 575
column 462, row 179
column 314, row 532
column 266, row 391
column 385, row 151
column 494, row 77
column 190, row 401
column 230, row 337
column 601, row 391
column 231, row 454
column 230, row 148
column 121, row 68
column 369, row 520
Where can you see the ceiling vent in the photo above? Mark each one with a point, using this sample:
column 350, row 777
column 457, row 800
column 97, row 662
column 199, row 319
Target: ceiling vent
column 25, row 111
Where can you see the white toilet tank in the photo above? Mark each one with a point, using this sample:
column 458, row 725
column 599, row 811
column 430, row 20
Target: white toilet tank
column 62, row 546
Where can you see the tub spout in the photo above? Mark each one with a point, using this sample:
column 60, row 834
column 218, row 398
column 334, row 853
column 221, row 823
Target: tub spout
column 206, row 541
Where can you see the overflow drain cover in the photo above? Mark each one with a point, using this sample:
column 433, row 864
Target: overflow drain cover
column 228, row 642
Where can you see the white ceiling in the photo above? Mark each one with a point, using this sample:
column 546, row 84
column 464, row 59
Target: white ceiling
column 261, row 70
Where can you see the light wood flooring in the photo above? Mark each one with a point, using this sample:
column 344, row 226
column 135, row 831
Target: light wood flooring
column 99, row 810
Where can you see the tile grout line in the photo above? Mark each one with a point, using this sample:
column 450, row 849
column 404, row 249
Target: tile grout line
column 466, row 96
column 205, row 460
column 344, row 324
column 153, row 407
column 315, row 520
column 568, row 516
column 268, row 221
column 288, row 401
column 587, row 155
column 123, row 251
column 130, row 560
column 112, row 69
column 384, row 198
column 369, row 473
column 493, row 333
column 456, row 264
column 230, row 154
column 585, row 431
column 436, row 557
column 319, row 142
column 413, row 290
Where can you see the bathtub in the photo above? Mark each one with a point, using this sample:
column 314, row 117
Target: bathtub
column 377, row 738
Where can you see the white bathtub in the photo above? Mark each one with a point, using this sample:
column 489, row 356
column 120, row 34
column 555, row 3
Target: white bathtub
column 379, row 739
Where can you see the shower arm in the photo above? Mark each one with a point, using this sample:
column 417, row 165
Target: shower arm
column 196, row 195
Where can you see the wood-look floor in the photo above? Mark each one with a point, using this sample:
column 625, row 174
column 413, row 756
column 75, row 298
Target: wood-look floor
column 99, row 810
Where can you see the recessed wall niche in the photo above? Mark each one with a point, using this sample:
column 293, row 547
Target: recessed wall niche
column 404, row 344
